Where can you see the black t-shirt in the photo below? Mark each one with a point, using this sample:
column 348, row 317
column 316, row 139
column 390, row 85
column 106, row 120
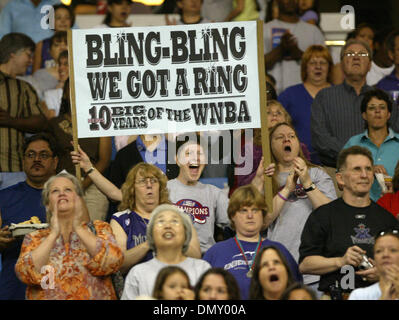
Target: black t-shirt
column 331, row 229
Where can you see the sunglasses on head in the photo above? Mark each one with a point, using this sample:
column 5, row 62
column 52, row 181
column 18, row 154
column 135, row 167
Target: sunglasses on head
column 386, row 232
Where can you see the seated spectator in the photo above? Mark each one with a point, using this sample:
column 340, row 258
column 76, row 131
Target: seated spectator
column 172, row 283
column 19, row 203
column 285, row 40
column 272, row 275
column 275, row 114
column 299, row 187
column 247, row 212
column 217, row 284
column 53, row 97
column 308, row 11
column 364, row 32
column 99, row 150
column 386, row 260
column 243, row 10
column 118, row 12
column 390, row 83
column 64, row 19
column 390, row 201
column 298, row 291
column 379, row 138
column 335, row 113
column 81, row 272
column 144, row 189
column 339, row 233
column 23, row 113
column 168, row 235
column 204, row 203
column 316, row 66
column 25, row 17
column 48, row 78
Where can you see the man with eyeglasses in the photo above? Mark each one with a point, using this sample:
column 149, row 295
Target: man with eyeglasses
column 20, row 110
column 338, row 236
column 335, row 115
column 19, row 203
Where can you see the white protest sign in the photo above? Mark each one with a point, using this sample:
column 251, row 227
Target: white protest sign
column 165, row 79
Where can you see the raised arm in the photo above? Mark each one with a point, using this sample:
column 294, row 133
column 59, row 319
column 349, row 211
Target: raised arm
column 102, row 183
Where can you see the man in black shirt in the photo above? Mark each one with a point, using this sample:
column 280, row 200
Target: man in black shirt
column 341, row 232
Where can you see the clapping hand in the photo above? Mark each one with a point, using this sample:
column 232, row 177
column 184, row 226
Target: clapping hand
column 390, row 288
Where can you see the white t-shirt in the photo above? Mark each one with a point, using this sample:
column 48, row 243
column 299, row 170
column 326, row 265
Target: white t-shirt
column 141, row 278
column 205, row 204
column 376, row 73
column 288, row 72
column 372, row 292
column 53, row 98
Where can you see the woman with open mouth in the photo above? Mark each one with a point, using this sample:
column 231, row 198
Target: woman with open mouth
column 169, row 234
column 77, row 261
column 299, row 187
column 272, row 275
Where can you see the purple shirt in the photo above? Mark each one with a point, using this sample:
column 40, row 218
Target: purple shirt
column 135, row 228
column 227, row 255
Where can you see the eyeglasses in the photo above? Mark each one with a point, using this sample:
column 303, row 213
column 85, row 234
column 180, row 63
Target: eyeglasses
column 143, row 182
column 163, row 222
column 352, row 54
column 386, row 232
column 317, row 63
column 42, row 155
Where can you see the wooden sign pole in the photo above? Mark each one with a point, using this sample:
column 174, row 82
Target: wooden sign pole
column 263, row 115
column 73, row 101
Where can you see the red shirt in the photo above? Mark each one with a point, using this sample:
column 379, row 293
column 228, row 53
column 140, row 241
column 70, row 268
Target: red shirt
column 390, row 202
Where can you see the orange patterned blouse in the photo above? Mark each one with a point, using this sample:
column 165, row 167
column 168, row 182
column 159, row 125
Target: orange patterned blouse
column 71, row 273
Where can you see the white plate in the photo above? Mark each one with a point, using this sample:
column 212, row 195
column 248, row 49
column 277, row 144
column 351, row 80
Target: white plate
column 19, row 230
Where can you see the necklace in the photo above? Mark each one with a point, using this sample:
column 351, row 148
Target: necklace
column 249, row 264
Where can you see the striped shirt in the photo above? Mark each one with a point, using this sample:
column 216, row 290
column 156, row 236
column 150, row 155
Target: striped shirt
column 20, row 100
column 336, row 117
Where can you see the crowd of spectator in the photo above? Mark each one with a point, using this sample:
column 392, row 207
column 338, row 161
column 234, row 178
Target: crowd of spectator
column 137, row 226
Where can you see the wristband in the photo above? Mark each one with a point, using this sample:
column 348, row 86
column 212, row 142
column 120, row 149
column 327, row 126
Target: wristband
column 280, row 195
column 89, row 171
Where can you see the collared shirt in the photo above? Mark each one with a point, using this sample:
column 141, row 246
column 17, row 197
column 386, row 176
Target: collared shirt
column 389, row 83
column 336, row 117
column 22, row 16
column 387, row 155
column 20, row 100
column 156, row 157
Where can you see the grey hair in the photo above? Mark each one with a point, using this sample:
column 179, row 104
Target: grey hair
column 186, row 223
column 356, row 41
column 47, row 185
